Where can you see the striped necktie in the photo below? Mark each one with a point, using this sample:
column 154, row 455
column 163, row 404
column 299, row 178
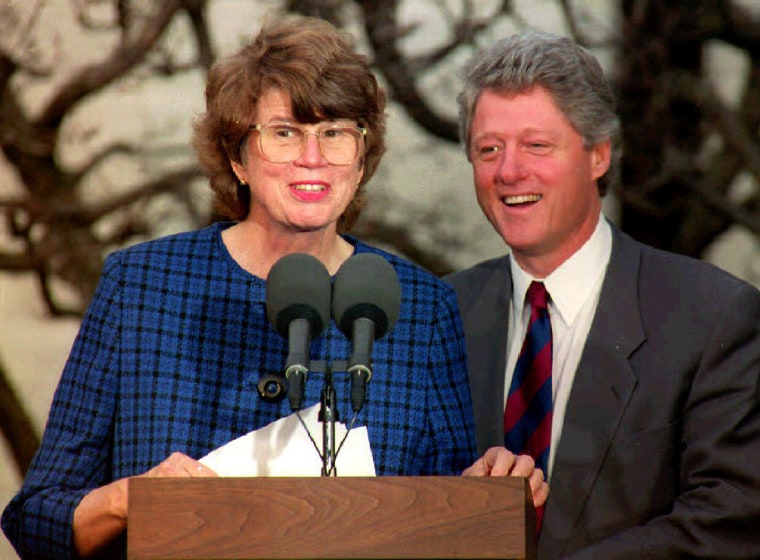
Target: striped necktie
column 528, row 414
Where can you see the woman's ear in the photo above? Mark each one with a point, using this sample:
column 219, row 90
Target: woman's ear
column 239, row 171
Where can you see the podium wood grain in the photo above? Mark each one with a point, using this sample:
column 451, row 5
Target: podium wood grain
column 383, row 517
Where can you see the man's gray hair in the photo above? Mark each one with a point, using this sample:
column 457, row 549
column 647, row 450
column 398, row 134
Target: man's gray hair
column 569, row 72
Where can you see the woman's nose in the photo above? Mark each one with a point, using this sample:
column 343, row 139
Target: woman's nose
column 311, row 153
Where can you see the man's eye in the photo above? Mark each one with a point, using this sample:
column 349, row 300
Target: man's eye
column 539, row 147
column 487, row 151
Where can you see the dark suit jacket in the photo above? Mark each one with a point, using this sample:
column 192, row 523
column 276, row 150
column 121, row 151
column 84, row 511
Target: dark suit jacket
column 659, row 455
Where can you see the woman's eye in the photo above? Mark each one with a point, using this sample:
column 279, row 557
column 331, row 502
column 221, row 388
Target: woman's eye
column 285, row 132
column 333, row 133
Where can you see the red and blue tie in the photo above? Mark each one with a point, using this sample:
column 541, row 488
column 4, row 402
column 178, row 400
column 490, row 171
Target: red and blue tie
column 528, row 414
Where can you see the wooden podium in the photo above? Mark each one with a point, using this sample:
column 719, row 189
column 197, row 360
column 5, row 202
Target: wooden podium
column 382, row 517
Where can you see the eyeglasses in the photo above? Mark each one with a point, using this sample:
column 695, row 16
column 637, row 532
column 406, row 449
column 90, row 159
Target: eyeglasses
column 285, row 142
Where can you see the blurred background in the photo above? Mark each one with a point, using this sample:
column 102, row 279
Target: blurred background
column 97, row 98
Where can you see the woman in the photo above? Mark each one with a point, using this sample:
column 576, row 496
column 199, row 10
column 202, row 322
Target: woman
column 169, row 355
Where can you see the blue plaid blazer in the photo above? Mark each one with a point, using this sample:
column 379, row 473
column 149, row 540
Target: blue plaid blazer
column 168, row 358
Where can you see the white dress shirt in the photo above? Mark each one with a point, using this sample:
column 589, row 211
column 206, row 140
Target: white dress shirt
column 574, row 289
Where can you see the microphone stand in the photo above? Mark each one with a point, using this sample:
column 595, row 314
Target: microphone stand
column 328, row 415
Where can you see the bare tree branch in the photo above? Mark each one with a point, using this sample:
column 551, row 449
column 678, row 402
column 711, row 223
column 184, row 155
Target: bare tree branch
column 129, row 53
column 16, row 423
column 380, row 25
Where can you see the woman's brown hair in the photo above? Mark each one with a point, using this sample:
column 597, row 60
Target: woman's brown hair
column 313, row 62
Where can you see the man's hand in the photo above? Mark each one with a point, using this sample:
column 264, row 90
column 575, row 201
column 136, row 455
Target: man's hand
column 499, row 461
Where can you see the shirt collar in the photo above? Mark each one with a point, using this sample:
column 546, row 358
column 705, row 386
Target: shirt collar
column 572, row 283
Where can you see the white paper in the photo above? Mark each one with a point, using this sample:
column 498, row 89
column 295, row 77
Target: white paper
column 283, row 448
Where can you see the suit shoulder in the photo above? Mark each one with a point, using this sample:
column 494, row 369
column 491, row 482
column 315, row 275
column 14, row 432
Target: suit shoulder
column 670, row 285
column 184, row 243
column 688, row 273
column 180, row 253
column 482, row 286
column 478, row 274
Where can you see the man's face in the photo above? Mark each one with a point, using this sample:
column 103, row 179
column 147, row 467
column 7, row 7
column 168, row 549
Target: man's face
column 534, row 180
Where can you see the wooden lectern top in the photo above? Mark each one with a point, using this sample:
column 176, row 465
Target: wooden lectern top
column 382, row 517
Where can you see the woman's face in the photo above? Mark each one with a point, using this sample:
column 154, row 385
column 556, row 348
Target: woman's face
column 306, row 194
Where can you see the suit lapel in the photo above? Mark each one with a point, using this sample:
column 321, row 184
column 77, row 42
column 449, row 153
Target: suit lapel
column 602, row 387
column 485, row 324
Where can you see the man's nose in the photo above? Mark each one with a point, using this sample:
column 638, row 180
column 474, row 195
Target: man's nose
column 512, row 165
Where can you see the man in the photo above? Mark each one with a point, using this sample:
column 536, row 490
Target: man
column 652, row 444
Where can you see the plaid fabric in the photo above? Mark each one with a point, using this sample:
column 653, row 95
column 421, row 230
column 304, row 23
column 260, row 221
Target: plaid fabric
column 168, row 358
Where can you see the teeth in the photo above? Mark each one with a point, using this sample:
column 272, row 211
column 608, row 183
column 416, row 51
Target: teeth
column 310, row 188
column 521, row 199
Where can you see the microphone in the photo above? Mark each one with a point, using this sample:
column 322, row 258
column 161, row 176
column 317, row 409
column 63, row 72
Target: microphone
column 366, row 305
column 298, row 307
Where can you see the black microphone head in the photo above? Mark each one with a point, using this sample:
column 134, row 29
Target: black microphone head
column 366, row 286
column 298, row 287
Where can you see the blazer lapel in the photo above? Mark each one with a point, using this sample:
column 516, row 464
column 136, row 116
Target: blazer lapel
column 603, row 385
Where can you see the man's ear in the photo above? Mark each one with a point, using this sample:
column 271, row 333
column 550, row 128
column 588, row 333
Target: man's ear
column 600, row 159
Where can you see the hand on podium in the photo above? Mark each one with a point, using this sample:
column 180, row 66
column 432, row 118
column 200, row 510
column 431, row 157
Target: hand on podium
column 102, row 513
column 499, row 461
